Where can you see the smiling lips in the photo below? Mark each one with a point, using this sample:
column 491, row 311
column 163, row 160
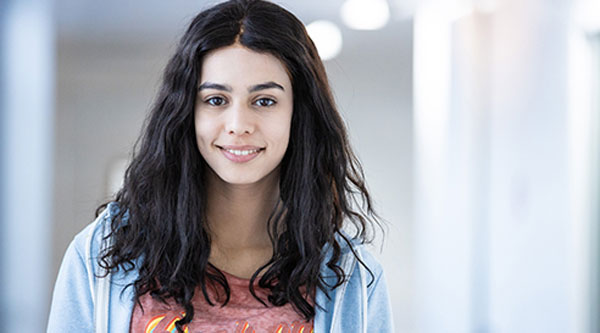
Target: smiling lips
column 240, row 154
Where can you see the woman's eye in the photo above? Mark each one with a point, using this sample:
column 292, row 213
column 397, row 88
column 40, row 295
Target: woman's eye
column 215, row 101
column 265, row 102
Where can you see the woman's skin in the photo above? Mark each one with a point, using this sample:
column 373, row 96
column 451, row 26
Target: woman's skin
column 244, row 103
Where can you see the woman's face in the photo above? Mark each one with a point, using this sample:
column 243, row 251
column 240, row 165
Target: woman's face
column 243, row 113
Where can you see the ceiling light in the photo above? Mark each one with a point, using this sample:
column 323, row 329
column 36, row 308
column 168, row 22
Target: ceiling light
column 365, row 14
column 327, row 38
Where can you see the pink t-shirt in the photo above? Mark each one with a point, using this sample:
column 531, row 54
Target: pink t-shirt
column 242, row 314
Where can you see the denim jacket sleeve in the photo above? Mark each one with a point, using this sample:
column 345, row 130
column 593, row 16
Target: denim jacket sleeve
column 72, row 305
column 379, row 308
column 361, row 304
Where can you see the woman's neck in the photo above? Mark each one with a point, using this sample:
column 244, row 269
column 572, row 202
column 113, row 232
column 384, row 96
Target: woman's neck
column 237, row 218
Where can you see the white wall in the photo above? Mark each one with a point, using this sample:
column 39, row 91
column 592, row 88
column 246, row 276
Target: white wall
column 497, row 247
column 528, row 212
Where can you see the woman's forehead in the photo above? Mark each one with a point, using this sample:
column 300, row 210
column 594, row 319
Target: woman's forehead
column 241, row 67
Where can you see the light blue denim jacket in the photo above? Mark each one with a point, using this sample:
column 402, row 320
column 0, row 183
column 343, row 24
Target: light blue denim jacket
column 353, row 307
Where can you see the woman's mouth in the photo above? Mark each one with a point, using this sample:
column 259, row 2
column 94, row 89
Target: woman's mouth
column 240, row 154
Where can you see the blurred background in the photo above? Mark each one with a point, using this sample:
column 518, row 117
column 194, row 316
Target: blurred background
column 476, row 122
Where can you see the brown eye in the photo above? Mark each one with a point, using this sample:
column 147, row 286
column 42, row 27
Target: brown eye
column 215, row 101
column 265, row 102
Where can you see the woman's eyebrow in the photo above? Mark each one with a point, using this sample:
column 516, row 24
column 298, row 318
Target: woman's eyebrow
column 210, row 85
column 266, row 85
column 224, row 87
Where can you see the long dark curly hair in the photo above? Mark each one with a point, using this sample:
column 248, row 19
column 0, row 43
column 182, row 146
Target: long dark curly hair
column 161, row 228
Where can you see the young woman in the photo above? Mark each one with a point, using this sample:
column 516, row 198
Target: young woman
column 233, row 210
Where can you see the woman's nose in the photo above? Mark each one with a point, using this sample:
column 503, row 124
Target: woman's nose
column 239, row 120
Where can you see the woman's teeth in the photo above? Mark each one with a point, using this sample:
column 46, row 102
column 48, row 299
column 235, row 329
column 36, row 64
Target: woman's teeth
column 242, row 152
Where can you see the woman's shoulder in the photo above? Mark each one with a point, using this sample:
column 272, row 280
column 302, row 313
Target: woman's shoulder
column 353, row 249
column 75, row 290
column 87, row 242
column 363, row 294
column 369, row 259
